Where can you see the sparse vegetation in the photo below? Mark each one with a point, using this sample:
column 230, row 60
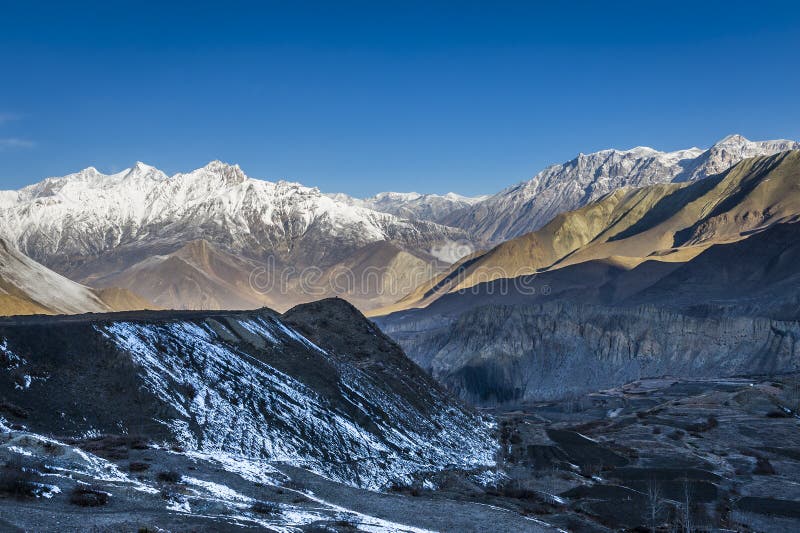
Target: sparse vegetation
column 169, row 476
column 88, row 496
column 138, row 466
column 265, row 508
column 763, row 467
column 113, row 447
column 676, row 435
column 700, row 427
column 17, row 481
column 13, row 409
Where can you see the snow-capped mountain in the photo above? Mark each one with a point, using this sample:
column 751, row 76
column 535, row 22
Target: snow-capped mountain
column 413, row 205
column 88, row 225
column 559, row 188
column 88, row 212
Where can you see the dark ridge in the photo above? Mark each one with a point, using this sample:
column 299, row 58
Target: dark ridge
column 130, row 316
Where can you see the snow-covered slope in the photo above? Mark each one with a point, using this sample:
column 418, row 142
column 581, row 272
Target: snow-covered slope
column 64, row 222
column 413, row 205
column 319, row 387
column 559, row 188
column 27, row 286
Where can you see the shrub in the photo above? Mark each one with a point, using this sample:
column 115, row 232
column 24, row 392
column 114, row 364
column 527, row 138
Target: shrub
column 710, row 423
column 778, row 414
column 763, row 467
column 87, row 496
column 13, row 409
column 169, row 476
column 138, row 466
column 676, row 435
column 17, row 481
column 265, row 508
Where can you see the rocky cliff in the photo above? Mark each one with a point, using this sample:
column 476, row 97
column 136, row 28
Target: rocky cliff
column 501, row 354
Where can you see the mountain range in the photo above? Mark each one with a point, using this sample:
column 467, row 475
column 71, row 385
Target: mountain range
column 215, row 238
column 669, row 223
column 529, row 205
column 138, row 225
column 683, row 279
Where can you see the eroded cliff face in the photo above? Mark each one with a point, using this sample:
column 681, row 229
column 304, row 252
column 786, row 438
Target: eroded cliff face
column 506, row 354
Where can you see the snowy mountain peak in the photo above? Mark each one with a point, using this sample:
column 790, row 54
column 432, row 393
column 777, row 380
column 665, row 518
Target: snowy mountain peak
column 529, row 205
column 225, row 171
column 412, row 205
column 733, row 139
column 88, row 214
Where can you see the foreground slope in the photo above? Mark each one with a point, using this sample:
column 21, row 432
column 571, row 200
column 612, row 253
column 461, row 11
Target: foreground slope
column 245, row 388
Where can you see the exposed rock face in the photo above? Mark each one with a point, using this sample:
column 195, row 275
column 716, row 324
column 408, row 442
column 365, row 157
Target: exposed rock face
column 496, row 354
column 530, row 205
column 245, row 388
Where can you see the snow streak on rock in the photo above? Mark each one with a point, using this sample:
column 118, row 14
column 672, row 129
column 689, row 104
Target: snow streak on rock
column 236, row 407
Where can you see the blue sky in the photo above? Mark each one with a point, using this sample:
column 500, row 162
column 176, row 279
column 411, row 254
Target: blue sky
column 360, row 97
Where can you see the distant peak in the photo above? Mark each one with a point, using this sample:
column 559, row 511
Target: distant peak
column 733, row 139
column 216, row 164
column 229, row 173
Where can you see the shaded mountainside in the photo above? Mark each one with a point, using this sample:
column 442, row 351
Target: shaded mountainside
column 756, row 276
column 498, row 354
column 671, row 223
column 26, row 288
column 339, row 398
column 733, row 309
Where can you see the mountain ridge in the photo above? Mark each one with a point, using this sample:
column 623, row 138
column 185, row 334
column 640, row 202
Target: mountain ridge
column 529, row 205
column 667, row 222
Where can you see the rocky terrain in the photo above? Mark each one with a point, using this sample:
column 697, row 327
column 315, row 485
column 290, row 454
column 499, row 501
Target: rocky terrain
column 503, row 354
column 660, row 454
column 313, row 420
column 237, row 416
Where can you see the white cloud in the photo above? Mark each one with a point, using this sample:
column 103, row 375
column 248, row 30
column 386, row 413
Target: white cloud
column 8, row 117
column 12, row 143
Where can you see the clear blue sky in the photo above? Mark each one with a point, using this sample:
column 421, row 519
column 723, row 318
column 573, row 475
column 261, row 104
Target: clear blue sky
column 361, row 97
